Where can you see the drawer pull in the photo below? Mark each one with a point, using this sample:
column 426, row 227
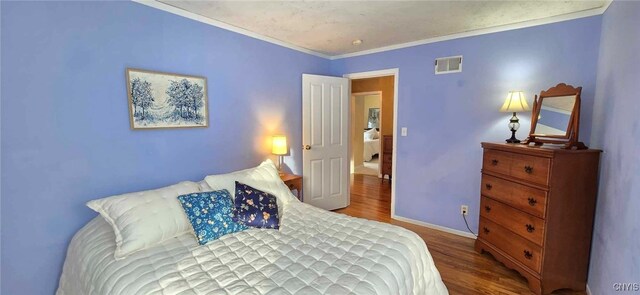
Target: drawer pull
column 528, row 169
column 494, row 162
column 488, row 186
column 532, row 201
column 486, row 230
column 528, row 255
column 530, row 228
column 487, row 208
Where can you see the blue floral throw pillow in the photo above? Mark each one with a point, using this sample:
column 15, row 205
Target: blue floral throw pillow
column 210, row 214
column 256, row 208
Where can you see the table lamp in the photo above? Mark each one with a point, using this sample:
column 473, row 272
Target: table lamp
column 514, row 103
column 279, row 148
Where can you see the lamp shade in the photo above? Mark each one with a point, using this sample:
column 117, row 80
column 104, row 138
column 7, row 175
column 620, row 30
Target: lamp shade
column 515, row 102
column 279, row 145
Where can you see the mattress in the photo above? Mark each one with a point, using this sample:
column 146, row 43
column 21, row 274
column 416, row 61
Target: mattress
column 371, row 147
column 314, row 252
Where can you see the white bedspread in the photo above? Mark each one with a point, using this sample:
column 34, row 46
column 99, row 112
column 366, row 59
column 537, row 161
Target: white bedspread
column 314, row 252
column 371, row 147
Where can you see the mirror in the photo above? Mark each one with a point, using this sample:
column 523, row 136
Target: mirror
column 373, row 120
column 555, row 115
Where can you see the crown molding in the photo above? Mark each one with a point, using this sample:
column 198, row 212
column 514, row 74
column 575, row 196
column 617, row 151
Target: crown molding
column 497, row 29
column 225, row 26
column 606, row 5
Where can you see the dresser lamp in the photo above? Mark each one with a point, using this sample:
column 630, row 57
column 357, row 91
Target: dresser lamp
column 514, row 103
column 279, row 148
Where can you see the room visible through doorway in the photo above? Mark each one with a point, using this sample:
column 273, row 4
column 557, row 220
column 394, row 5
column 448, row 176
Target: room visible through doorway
column 366, row 121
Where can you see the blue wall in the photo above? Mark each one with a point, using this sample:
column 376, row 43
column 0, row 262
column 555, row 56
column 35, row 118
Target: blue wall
column 438, row 163
column 615, row 254
column 65, row 126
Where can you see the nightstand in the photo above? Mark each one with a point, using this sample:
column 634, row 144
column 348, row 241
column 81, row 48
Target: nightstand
column 294, row 182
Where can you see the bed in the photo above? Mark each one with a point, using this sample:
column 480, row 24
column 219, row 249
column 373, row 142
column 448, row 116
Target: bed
column 371, row 144
column 314, row 252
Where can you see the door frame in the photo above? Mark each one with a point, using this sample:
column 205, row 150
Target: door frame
column 375, row 74
column 353, row 98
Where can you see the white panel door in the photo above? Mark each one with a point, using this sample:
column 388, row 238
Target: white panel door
column 325, row 130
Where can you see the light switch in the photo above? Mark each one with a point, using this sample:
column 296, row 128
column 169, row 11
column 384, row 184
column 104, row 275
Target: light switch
column 404, row 131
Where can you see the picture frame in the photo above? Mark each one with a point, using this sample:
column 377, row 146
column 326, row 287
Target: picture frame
column 161, row 100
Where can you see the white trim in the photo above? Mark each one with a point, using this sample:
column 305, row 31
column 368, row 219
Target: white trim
column 372, row 74
column 604, row 8
column 382, row 73
column 225, row 26
column 497, row 29
column 366, row 93
column 588, row 290
column 434, row 226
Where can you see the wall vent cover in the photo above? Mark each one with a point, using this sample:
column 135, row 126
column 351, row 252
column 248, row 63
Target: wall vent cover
column 447, row 65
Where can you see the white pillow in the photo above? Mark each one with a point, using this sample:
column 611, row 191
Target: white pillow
column 265, row 177
column 203, row 186
column 370, row 134
column 143, row 219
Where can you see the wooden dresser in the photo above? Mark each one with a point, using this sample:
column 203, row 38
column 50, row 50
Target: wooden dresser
column 536, row 212
column 387, row 156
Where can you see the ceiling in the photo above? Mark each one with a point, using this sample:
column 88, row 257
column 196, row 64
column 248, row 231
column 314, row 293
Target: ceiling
column 330, row 27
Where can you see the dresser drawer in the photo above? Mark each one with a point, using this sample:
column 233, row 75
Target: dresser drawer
column 523, row 224
column 386, row 169
column 387, row 144
column 525, row 198
column 525, row 167
column 513, row 245
column 497, row 161
column 531, row 168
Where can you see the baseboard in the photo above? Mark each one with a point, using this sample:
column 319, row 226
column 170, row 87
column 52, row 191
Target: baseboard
column 588, row 290
column 434, row 226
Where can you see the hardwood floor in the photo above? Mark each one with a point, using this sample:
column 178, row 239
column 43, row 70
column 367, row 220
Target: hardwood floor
column 462, row 269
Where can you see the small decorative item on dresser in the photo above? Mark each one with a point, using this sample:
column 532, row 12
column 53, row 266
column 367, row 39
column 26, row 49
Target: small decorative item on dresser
column 293, row 182
column 537, row 208
column 514, row 103
column 279, row 148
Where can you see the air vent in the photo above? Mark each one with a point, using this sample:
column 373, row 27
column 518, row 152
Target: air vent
column 446, row 65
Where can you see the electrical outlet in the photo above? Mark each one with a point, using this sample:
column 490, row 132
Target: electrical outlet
column 464, row 210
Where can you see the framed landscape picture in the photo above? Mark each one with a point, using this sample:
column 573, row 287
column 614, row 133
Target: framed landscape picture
column 165, row 100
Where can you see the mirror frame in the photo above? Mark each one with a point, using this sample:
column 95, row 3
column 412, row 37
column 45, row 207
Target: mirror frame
column 570, row 138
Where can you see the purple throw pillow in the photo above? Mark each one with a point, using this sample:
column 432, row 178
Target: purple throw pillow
column 255, row 208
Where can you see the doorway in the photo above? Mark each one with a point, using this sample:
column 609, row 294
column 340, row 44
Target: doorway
column 366, row 140
column 382, row 85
